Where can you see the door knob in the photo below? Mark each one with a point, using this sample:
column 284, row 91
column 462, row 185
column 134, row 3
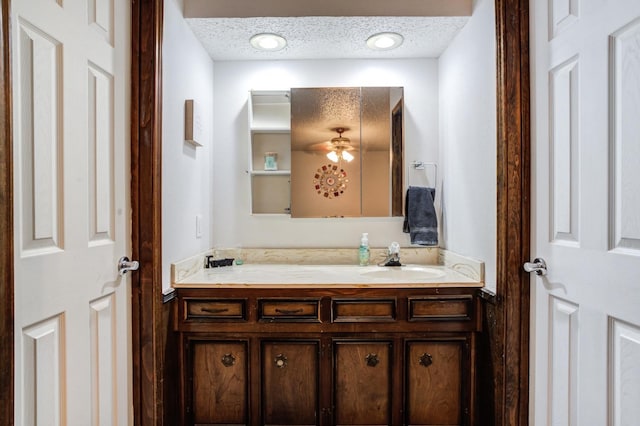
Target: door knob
column 125, row 265
column 539, row 266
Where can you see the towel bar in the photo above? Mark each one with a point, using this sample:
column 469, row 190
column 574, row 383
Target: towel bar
column 431, row 181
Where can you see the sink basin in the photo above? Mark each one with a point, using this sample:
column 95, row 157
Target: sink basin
column 404, row 273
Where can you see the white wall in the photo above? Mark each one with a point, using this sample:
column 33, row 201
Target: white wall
column 233, row 225
column 186, row 174
column 468, row 140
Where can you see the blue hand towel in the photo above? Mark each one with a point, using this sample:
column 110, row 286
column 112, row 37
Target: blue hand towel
column 420, row 220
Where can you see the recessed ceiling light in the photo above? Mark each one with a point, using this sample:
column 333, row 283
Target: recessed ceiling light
column 384, row 41
column 269, row 42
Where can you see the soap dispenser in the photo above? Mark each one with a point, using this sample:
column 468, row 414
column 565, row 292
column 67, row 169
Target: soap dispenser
column 363, row 251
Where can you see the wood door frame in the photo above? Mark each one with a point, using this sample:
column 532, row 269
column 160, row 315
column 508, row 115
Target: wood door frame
column 505, row 394
column 507, row 324
column 148, row 322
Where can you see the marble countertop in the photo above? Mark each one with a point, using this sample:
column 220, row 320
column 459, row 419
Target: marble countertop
column 337, row 276
column 306, row 268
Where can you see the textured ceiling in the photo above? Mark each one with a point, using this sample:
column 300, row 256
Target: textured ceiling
column 363, row 112
column 313, row 37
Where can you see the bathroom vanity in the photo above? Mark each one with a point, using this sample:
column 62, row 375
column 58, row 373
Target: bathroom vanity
column 316, row 349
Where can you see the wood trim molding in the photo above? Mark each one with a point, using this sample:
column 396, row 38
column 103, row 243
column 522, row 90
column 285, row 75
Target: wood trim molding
column 148, row 332
column 507, row 321
column 6, row 223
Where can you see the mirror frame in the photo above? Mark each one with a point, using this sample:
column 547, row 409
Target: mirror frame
column 503, row 386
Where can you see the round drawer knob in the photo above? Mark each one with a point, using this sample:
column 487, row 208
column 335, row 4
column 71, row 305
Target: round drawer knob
column 372, row 360
column 228, row 360
column 426, row 360
column 280, row 361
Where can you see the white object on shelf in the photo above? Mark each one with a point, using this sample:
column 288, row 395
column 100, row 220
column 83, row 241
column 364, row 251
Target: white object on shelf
column 193, row 124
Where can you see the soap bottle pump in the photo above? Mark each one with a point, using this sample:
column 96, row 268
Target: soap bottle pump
column 363, row 251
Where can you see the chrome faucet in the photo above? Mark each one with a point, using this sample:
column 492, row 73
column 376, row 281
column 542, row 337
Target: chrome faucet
column 393, row 256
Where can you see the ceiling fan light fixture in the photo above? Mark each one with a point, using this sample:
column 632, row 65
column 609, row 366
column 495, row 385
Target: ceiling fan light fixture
column 268, row 42
column 333, row 156
column 347, row 156
column 384, row 41
column 340, row 154
column 340, row 146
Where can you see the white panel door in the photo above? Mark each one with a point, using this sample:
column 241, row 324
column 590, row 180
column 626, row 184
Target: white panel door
column 71, row 77
column 585, row 365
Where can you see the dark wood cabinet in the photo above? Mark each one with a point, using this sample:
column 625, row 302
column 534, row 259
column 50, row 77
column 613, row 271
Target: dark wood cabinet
column 433, row 395
column 289, row 382
column 219, row 382
column 362, row 382
column 327, row 356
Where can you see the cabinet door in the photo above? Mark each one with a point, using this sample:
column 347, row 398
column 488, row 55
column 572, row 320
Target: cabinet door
column 290, row 380
column 434, row 393
column 219, row 383
column 362, row 382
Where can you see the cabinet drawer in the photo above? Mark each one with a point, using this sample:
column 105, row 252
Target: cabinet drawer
column 215, row 309
column 441, row 308
column 363, row 310
column 300, row 310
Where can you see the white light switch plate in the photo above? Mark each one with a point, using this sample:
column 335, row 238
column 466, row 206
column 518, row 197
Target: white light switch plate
column 198, row 226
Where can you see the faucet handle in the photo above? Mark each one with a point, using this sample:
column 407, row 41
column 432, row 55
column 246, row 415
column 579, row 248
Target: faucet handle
column 393, row 257
column 394, row 248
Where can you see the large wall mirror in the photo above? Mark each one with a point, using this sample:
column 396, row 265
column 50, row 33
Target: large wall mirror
column 346, row 151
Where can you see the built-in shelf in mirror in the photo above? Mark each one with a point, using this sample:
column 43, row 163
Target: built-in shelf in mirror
column 270, row 153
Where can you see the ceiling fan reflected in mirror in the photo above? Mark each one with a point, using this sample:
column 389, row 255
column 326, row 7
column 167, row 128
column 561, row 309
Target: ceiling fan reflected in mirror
column 340, row 147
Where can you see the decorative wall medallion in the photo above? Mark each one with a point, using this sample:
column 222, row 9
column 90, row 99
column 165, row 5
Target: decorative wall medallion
column 330, row 181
